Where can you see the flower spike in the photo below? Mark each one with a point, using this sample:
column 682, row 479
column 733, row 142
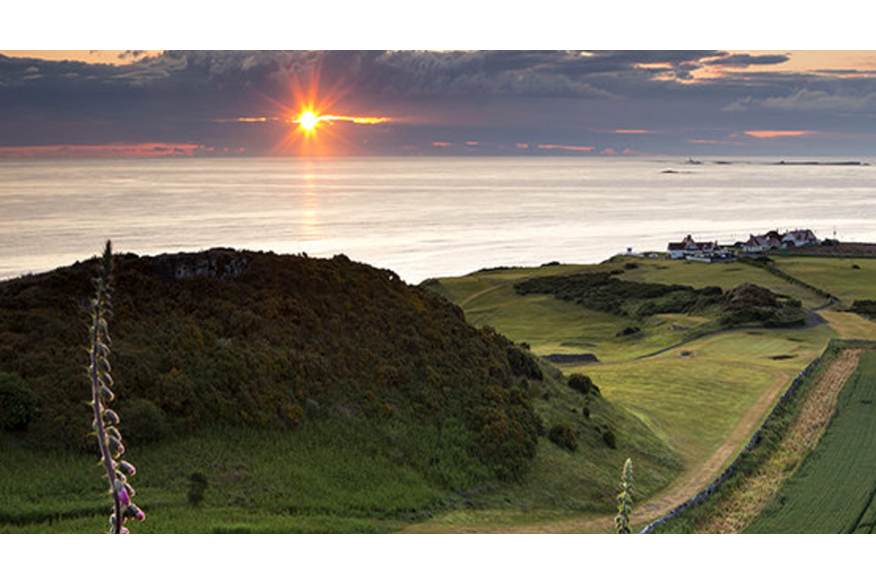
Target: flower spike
column 105, row 420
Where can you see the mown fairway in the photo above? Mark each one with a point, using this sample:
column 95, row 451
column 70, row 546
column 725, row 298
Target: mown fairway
column 696, row 395
column 834, row 489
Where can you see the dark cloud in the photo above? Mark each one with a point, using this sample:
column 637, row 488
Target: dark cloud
column 494, row 97
column 423, row 73
column 743, row 60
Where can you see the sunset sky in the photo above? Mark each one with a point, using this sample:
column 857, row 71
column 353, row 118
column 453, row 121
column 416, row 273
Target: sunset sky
column 573, row 103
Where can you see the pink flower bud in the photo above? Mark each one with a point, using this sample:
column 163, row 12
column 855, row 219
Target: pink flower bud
column 135, row 512
column 122, row 493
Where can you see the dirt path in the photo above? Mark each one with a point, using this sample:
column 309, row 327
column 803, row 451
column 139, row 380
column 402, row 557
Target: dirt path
column 478, row 294
column 748, row 499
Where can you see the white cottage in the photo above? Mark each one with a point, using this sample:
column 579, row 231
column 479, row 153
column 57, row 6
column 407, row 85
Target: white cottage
column 799, row 238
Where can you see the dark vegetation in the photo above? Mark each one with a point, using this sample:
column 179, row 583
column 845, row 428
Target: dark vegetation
column 582, row 384
column 563, row 436
column 18, row 404
column 833, row 248
column 266, row 341
column 744, row 305
column 748, row 303
column 602, row 291
column 864, row 308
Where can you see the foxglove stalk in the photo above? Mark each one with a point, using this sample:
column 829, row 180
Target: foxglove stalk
column 625, row 499
column 108, row 436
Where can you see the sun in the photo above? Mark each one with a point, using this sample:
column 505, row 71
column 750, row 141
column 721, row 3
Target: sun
column 308, row 120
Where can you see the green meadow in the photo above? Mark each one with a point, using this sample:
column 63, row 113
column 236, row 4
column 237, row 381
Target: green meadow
column 326, row 477
column 705, row 397
column 848, row 279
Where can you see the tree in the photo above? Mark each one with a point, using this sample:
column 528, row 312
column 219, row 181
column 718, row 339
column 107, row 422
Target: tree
column 625, row 499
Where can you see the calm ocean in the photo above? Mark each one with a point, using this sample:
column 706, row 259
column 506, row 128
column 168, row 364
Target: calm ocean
column 420, row 217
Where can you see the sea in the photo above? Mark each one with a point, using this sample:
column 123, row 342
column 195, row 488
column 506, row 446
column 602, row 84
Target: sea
column 420, row 217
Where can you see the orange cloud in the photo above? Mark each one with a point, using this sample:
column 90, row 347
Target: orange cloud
column 633, row 132
column 562, row 147
column 521, row 145
column 355, row 120
column 765, row 134
column 441, row 144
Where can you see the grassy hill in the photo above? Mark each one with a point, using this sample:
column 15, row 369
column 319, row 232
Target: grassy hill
column 264, row 341
column 325, row 395
column 315, row 395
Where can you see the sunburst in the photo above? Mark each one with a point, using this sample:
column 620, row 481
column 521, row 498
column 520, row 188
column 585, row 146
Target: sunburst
column 314, row 132
column 308, row 120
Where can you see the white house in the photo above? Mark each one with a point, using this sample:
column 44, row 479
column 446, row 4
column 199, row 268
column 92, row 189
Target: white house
column 762, row 243
column 800, row 238
column 688, row 247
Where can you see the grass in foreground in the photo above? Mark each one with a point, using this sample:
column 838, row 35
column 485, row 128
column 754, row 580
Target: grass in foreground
column 316, row 479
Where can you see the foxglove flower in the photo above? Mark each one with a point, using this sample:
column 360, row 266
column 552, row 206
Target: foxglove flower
column 105, row 420
column 625, row 499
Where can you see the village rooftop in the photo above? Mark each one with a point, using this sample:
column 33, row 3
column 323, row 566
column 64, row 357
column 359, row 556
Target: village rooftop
column 711, row 251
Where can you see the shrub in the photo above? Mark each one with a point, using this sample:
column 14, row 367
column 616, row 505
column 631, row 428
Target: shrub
column 508, row 437
column 563, row 436
column 18, row 404
column 751, row 304
column 864, row 307
column 197, row 488
column 582, row 384
column 144, row 422
column 630, row 330
column 609, row 438
column 522, row 363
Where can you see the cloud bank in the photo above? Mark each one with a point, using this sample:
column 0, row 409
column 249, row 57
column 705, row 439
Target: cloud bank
column 674, row 102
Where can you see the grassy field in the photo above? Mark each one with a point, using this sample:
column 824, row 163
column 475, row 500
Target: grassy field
column 704, row 398
column 695, row 396
column 552, row 326
column 313, row 480
column 835, row 275
column 730, row 275
column 833, row 490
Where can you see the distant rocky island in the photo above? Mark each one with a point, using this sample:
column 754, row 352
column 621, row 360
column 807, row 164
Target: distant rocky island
column 818, row 163
column 780, row 163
